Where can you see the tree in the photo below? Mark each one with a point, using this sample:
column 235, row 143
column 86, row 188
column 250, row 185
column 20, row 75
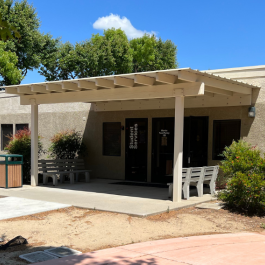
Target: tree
column 109, row 54
column 150, row 54
column 101, row 55
column 8, row 66
column 33, row 47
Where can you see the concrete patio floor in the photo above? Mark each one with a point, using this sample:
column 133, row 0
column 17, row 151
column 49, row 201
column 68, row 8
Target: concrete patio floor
column 101, row 195
column 232, row 249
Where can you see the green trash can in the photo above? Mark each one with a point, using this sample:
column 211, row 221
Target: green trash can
column 11, row 171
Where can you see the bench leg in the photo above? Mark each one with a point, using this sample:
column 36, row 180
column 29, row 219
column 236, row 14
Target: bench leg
column 199, row 187
column 186, row 191
column 170, row 190
column 45, row 179
column 55, row 181
column 61, row 178
column 87, row 174
column 212, row 187
column 72, row 178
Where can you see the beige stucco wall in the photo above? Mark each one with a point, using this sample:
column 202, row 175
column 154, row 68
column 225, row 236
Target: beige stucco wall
column 80, row 116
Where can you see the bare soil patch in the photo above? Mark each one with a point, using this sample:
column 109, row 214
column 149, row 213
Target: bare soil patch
column 88, row 230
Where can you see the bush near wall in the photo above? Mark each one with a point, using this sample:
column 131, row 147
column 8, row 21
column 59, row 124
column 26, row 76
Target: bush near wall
column 244, row 168
column 20, row 143
column 67, row 145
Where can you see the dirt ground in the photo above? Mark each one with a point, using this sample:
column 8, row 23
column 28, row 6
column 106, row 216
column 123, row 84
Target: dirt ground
column 88, row 230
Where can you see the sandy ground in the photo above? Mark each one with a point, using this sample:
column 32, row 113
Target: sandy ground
column 88, row 230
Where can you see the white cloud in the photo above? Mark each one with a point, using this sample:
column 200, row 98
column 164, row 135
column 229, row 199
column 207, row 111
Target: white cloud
column 115, row 21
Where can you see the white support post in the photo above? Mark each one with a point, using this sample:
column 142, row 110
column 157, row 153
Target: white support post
column 178, row 149
column 34, row 143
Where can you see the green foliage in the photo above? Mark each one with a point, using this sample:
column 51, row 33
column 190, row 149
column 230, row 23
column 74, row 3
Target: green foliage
column 150, row 54
column 244, row 168
column 67, row 145
column 101, row 55
column 8, row 66
column 33, row 47
column 109, row 54
column 241, row 157
column 20, row 143
column 7, row 31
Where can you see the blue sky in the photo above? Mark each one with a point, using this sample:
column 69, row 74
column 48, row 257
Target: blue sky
column 208, row 34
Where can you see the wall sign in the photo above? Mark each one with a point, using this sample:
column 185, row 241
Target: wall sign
column 133, row 137
column 164, row 132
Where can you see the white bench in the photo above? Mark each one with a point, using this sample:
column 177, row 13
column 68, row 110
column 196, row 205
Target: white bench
column 196, row 176
column 196, row 179
column 210, row 176
column 185, row 184
column 63, row 167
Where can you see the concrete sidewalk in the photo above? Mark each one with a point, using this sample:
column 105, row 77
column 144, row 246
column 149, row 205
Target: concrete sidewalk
column 12, row 207
column 100, row 194
column 232, row 249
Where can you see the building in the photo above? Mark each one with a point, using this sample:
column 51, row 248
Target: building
column 133, row 124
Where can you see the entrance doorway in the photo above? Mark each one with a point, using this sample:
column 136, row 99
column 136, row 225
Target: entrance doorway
column 195, row 141
column 195, row 146
column 136, row 139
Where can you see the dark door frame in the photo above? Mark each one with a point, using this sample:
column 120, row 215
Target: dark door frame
column 127, row 148
column 189, row 118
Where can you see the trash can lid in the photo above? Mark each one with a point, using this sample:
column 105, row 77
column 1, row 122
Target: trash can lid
column 11, row 155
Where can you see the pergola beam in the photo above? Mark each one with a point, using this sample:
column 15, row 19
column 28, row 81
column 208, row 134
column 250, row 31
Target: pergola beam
column 165, row 78
column 123, row 81
column 144, row 80
column 39, row 89
column 11, row 90
column 208, row 94
column 106, row 83
column 213, row 82
column 54, row 87
column 83, row 84
column 70, row 86
column 218, row 91
column 25, row 90
column 135, row 93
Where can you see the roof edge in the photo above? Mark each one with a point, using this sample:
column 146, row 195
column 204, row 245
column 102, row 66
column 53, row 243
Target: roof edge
column 224, row 70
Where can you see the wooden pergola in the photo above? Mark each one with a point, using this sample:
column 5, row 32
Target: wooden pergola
column 176, row 88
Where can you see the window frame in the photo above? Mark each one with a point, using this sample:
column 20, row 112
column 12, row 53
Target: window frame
column 214, row 136
column 104, row 154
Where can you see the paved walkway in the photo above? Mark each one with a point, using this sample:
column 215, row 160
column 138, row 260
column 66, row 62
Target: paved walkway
column 11, row 207
column 101, row 195
column 232, row 249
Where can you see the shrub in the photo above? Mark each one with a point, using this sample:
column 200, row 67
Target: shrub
column 241, row 157
column 20, row 143
column 67, row 145
column 243, row 166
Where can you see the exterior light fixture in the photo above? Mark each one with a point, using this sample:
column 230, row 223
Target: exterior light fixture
column 251, row 112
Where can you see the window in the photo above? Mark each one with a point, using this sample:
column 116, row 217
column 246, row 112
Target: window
column 21, row 126
column 112, row 138
column 224, row 132
column 6, row 129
